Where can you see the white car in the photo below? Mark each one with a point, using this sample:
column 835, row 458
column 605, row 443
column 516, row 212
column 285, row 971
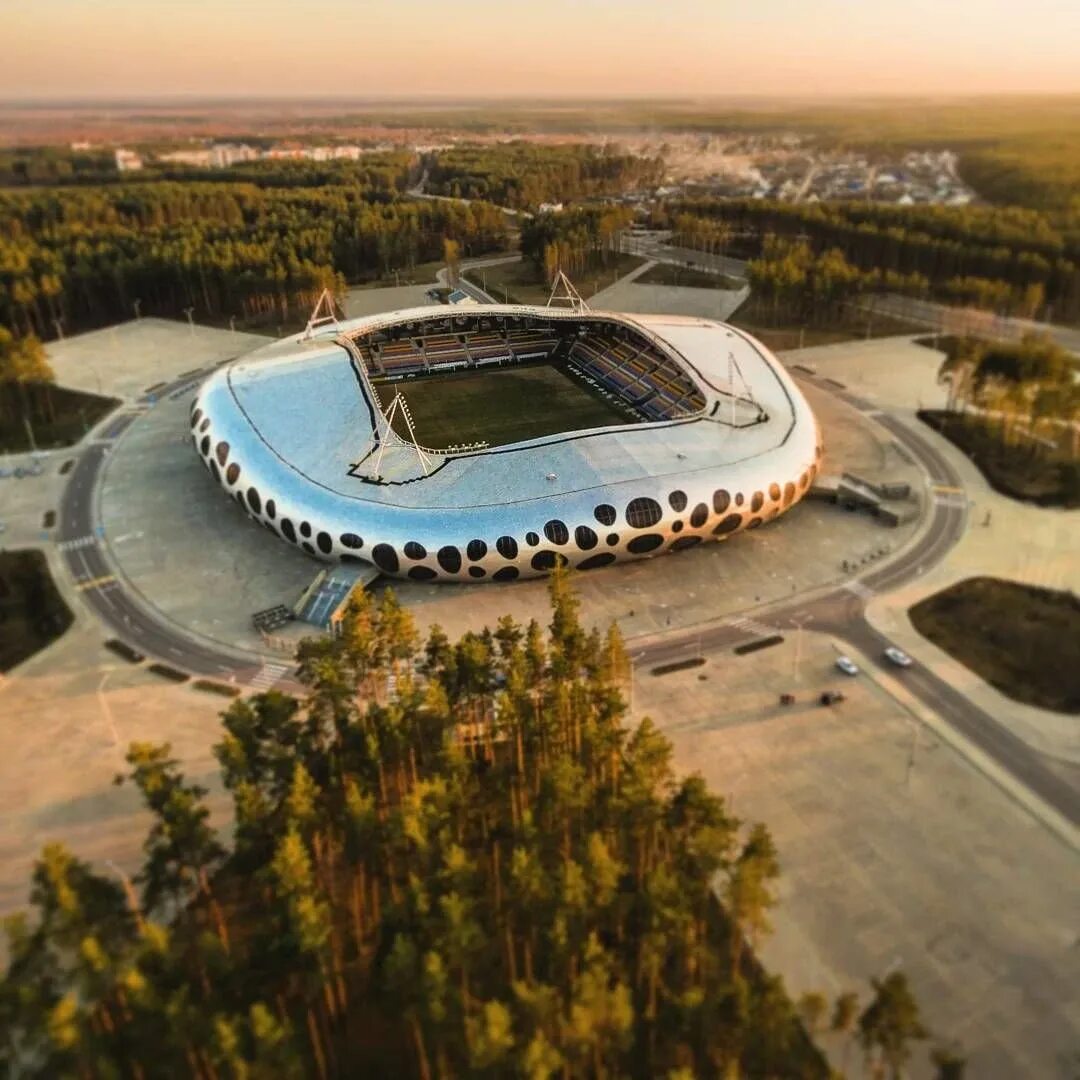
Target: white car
column 847, row 665
column 897, row 656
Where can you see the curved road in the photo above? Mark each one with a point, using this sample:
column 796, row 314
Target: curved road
column 840, row 612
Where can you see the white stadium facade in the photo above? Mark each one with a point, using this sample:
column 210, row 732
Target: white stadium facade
column 705, row 435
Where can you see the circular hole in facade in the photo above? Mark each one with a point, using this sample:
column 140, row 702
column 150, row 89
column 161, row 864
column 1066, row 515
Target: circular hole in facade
column 789, row 493
column 757, row 502
column 351, row 540
column 449, row 558
column 271, row 509
column 605, row 514
column 507, row 547
column 774, row 492
column 604, row 558
column 699, row 515
column 288, row 531
column 506, row 573
column 326, row 545
column 196, row 416
column 585, row 538
column 754, row 523
column 676, row 526
column 232, row 473
column 739, row 499
column 476, row 550
column 215, row 471
column 639, row 545
column 413, row 550
column 477, row 572
column 204, row 446
column 685, row 542
column 205, row 424
column 721, row 500
column 422, row 573
column 677, row 501
column 612, row 539
column 305, row 528
column 546, row 560
column 556, row 532
column 222, row 452
column 728, row 525
column 532, row 539
column 385, row 558
column 308, row 548
column 643, row 513
column 253, row 500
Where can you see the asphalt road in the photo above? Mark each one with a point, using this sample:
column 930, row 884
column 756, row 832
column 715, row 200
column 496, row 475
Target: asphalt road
column 840, row 612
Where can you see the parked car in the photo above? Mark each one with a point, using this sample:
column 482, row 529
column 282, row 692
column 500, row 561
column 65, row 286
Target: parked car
column 847, row 665
column 897, row 656
column 831, row 697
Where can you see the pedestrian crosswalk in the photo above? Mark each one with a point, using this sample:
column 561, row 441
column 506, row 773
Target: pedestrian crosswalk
column 79, row 542
column 268, row 675
column 860, row 590
column 751, row 626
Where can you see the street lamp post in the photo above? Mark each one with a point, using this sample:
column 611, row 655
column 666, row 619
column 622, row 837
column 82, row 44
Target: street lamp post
column 189, row 312
column 59, row 324
column 137, row 304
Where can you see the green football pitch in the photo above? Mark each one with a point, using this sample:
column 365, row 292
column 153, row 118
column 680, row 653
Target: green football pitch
column 499, row 406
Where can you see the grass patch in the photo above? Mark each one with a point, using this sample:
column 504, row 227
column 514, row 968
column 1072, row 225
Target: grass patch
column 1035, row 474
column 32, row 612
column 66, row 417
column 1019, row 638
column 688, row 278
column 501, row 405
column 520, row 283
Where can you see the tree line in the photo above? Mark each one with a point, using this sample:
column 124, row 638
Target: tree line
column 1009, row 257
column 449, row 858
column 523, row 175
column 574, row 241
column 72, row 258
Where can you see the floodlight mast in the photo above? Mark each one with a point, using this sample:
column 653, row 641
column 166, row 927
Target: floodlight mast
column 568, row 294
column 323, row 315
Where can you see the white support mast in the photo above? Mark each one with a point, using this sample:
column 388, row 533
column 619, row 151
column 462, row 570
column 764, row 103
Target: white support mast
column 563, row 292
column 323, row 315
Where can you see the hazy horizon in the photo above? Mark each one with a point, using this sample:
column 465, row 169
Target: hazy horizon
column 64, row 50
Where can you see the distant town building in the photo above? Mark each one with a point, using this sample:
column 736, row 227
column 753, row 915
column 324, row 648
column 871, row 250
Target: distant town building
column 550, row 207
column 127, row 160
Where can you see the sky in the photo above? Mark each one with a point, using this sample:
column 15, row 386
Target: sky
column 602, row 48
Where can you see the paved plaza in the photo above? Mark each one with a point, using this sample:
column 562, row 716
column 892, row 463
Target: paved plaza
column 936, row 872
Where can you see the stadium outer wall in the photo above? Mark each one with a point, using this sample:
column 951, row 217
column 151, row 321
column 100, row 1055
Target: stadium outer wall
column 584, row 528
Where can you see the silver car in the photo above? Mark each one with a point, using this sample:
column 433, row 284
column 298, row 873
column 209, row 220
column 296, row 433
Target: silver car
column 847, row 665
column 897, row 656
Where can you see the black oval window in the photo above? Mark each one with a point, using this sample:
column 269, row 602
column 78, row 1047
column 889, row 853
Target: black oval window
column 643, row 513
column 232, row 473
column 449, row 559
column 305, row 528
column 326, row 545
column 506, row 573
column 351, row 540
column 677, row 500
column 413, row 550
column 757, row 501
column 288, row 531
column 204, row 446
column 422, row 573
column 271, row 509
column 556, row 532
column 721, row 500
column 699, row 516
column 546, row 560
column 532, row 539
column 222, row 451
column 476, row 550
column 605, row 514
column 253, row 500
column 385, row 558
column 507, row 547
column 585, row 538
column 649, row 542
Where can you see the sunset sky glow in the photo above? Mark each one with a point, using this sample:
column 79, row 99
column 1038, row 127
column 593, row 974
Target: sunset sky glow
column 549, row 48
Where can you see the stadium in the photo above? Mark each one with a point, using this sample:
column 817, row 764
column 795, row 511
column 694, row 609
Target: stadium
column 496, row 442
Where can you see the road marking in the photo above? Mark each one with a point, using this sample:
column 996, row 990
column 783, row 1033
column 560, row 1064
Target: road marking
column 751, row 626
column 267, row 675
column 96, row 583
column 860, row 590
column 942, row 489
column 80, row 542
